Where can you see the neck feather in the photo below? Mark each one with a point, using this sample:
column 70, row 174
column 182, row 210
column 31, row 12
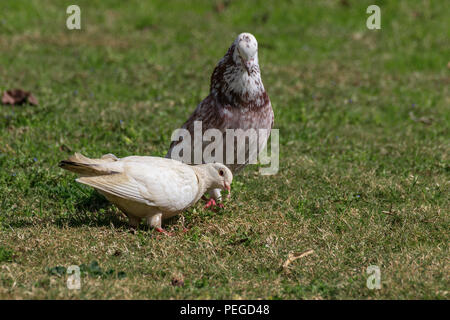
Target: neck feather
column 232, row 85
column 205, row 182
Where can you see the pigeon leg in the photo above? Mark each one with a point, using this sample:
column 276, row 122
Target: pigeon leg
column 214, row 201
column 216, row 194
column 155, row 222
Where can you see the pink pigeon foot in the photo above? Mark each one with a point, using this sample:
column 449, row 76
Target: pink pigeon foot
column 213, row 204
column 161, row 230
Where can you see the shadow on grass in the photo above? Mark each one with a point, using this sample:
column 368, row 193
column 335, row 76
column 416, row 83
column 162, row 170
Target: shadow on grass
column 94, row 202
column 94, row 211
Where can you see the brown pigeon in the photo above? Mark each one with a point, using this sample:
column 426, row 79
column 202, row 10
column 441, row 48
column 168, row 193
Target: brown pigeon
column 237, row 100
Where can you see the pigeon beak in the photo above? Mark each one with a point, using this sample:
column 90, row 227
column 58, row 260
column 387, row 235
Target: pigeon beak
column 246, row 65
column 228, row 188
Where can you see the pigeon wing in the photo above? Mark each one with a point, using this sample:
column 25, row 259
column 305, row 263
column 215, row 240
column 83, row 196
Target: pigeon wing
column 170, row 186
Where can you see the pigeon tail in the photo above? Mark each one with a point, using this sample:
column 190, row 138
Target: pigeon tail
column 87, row 167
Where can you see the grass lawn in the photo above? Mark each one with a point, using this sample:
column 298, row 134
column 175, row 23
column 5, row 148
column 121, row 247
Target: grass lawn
column 364, row 150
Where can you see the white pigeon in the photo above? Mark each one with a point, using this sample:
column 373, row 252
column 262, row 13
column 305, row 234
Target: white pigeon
column 149, row 188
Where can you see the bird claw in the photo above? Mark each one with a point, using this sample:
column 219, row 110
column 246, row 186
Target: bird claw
column 213, row 204
column 167, row 233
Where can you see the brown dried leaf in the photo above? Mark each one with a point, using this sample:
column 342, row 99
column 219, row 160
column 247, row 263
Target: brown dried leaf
column 32, row 100
column 7, row 99
column 177, row 282
column 18, row 97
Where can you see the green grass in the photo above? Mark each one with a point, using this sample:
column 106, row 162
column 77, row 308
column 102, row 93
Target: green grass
column 364, row 156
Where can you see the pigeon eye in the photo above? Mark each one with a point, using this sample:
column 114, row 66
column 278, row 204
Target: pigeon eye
column 220, row 172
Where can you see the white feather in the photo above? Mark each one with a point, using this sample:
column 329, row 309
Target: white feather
column 144, row 187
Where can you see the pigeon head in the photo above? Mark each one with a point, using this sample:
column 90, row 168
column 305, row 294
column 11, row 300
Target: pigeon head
column 246, row 52
column 236, row 80
column 220, row 176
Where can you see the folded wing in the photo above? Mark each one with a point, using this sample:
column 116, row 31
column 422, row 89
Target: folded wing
column 167, row 184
